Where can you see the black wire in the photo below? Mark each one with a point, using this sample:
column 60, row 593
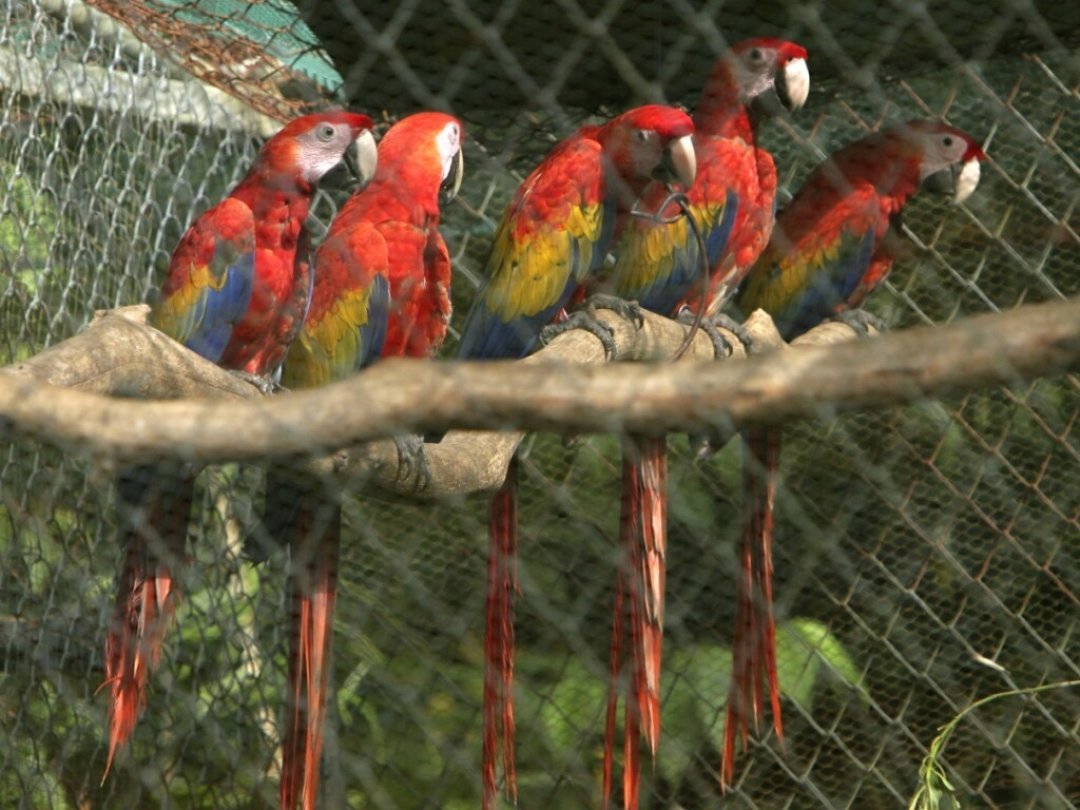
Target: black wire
column 679, row 198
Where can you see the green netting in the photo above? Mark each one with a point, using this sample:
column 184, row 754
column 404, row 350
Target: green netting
column 914, row 545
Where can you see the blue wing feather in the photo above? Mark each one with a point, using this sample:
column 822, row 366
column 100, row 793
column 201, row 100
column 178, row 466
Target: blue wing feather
column 373, row 332
column 208, row 326
column 664, row 295
column 829, row 286
column 486, row 336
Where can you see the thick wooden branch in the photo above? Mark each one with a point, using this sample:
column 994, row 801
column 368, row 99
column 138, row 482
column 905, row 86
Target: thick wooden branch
column 563, row 388
column 120, row 356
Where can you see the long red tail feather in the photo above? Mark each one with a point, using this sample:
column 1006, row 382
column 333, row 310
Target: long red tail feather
column 617, row 632
column 754, row 640
column 651, row 542
column 502, row 586
column 640, row 593
column 156, row 507
column 313, row 591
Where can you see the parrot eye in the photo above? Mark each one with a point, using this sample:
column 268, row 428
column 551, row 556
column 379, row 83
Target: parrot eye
column 326, row 132
column 756, row 55
column 643, row 135
column 948, row 141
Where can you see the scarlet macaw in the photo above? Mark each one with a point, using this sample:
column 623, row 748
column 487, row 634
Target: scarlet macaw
column 827, row 253
column 235, row 293
column 658, row 264
column 550, row 243
column 382, row 289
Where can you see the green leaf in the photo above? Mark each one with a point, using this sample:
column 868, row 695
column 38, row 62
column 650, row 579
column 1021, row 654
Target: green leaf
column 571, row 706
column 802, row 647
column 697, row 682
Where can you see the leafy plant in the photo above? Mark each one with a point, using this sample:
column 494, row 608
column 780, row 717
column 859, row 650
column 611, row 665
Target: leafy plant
column 935, row 791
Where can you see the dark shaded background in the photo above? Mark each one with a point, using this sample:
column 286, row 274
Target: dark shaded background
column 461, row 55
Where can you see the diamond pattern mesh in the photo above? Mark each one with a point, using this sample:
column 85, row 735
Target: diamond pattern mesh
column 927, row 556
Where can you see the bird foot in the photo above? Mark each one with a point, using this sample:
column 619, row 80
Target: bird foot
column 626, row 309
column 711, row 326
column 266, row 383
column 860, row 320
column 582, row 319
column 413, row 461
column 585, row 318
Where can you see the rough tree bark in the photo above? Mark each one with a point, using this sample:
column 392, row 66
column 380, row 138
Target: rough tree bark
column 561, row 388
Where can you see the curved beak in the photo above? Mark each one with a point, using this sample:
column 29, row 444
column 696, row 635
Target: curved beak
column 362, row 157
column 452, row 182
column 680, row 162
column 966, row 180
column 793, row 84
column 957, row 181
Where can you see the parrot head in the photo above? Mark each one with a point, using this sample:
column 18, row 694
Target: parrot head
column 653, row 142
column 762, row 65
column 766, row 73
column 423, row 152
column 310, row 146
column 948, row 158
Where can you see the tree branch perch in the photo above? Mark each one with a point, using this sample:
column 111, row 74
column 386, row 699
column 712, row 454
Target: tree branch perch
column 563, row 388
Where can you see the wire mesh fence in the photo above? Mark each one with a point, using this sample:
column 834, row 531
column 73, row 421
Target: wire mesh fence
column 927, row 556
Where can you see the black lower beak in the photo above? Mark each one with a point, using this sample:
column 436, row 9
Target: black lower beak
column 943, row 181
column 771, row 104
column 346, row 176
column 665, row 171
column 452, row 182
column 352, row 165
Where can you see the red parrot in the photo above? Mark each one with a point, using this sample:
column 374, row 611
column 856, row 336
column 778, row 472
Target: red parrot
column 731, row 201
column 382, row 289
column 827, row 253
column 550, row 243
column 235, row 293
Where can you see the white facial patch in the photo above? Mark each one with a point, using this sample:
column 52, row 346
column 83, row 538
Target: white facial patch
column 448, row 142
column 967, row 181
column 318, row 158
column 322, row 149
column 797, row 79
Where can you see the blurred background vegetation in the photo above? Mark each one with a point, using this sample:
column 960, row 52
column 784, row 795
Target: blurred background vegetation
column 913, row 543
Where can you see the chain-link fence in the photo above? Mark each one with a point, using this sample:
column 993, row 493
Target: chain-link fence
column 927, row 556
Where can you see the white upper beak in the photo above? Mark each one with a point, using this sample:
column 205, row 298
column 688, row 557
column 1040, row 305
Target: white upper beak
column 367, row 156
column 684, row 160
column 797, row 82
column 967, row 181
column 452, row 176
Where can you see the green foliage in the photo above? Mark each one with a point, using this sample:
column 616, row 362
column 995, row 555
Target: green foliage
column 935, row 791
column 808, row 658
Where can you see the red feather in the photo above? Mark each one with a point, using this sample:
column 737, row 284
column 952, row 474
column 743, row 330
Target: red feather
column 730, row 165
column 827, row 240
column 255, row 230
column 754, row 646
column 502, row 586
column 389, row 229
